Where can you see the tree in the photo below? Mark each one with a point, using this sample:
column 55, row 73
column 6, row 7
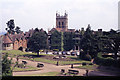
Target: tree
column 88, row 43
column 6, row 66
column 38, row 41
column 55, row 40
column 17, row 30
column 111, row 42
column 68, row 41
column 11, row 26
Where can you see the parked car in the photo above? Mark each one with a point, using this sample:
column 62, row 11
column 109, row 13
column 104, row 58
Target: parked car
column 40, row 65
column 60, row 52
column 68, row 53
column 73, row 53
column 55, row 53
column 63, row 53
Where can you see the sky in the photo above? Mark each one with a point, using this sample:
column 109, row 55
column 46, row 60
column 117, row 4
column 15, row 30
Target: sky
column 28, row 14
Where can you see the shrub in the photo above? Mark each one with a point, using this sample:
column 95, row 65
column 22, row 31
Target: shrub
column 84, row 63
column 90, row 63
column 87, row 57
column 104, row 61
column 21, row 65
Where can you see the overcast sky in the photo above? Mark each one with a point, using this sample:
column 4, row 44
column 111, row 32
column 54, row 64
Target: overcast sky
column 29, row 14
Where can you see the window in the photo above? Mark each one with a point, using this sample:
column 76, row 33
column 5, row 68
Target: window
column 77, row 41
column 8, row 45
column 59, row 23
column 62, row 23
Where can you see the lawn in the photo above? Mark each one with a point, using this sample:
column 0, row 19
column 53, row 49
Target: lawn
column 44, row 74
column 29, row 68
column 14, row 53
column 89, row 67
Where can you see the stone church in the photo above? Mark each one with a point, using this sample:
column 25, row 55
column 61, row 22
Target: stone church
column 62, row 26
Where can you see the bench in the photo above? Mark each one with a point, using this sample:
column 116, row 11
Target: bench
column 75, row 72
column 40, row 65
column 24, row 62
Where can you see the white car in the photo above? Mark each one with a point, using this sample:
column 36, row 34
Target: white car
column 68, row 53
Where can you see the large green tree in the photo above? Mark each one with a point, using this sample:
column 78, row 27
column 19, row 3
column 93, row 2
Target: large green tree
column 88, row 43
column 38, row 41
column 6, row 66
column 111, row 42
column 55, row 40
column 68, row 41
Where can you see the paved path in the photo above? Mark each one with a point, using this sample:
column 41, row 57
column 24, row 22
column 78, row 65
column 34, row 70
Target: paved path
column 53, row 68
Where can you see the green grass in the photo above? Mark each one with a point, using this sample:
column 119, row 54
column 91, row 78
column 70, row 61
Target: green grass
column 14, row 53
column 29, row 68
column 44, row 74
column 89, row 67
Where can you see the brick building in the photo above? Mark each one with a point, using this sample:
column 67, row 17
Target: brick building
column 14, row 41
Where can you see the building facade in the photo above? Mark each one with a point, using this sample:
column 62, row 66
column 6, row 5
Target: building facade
column 14, row 41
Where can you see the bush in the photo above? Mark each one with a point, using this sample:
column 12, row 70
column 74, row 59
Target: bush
column 104, row 61
column 21, row 65
column 87, row 57
column 90, row 63
column 84, row 63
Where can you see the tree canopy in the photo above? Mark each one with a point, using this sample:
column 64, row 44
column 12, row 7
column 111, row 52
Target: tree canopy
column 38, row 41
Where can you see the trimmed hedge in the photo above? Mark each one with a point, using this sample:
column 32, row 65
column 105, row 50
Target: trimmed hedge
column 104, row 61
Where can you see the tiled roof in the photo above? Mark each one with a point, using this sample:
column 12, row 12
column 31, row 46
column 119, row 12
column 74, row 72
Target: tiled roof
column 6, row 39
column 11, row 38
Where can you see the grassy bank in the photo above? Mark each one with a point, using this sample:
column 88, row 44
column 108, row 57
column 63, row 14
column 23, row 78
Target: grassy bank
column 29, row 68
column 14, row 53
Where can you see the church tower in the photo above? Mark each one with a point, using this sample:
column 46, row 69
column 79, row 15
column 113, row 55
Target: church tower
column 62, row 21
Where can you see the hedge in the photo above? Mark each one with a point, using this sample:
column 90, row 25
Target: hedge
column 104, row 61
